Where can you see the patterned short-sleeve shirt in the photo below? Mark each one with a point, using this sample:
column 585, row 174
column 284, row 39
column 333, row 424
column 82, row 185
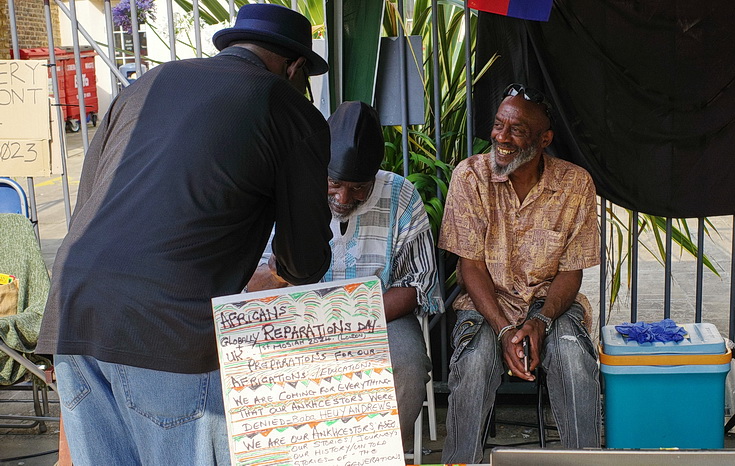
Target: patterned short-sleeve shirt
column 524, row 245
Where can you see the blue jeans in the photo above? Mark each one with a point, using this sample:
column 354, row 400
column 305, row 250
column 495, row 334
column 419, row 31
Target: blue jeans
column 411, row 367
column 569, row 359
column 123, row 415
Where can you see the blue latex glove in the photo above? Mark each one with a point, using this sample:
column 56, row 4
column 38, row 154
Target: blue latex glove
column 642, row 332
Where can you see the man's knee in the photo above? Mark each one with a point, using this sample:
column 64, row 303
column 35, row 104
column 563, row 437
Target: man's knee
column 569, row 345
column 412, row 374
column 475, row 356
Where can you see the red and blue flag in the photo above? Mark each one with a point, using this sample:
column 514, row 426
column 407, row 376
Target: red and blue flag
column 537, row 10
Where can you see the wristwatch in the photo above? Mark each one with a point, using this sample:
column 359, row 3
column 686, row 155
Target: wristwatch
column 546, row 320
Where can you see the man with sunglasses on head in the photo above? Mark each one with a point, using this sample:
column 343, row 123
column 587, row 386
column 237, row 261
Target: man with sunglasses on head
column 181, row 186
column 524, row 225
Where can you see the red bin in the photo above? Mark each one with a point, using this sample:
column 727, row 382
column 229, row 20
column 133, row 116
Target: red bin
column 71, row 91
column 67, row 79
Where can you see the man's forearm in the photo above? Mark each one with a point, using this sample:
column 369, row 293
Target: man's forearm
column 562, row 293
column 399, row 301
column 479, row 284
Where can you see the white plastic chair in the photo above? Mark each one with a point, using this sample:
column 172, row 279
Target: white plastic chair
column 428, row 403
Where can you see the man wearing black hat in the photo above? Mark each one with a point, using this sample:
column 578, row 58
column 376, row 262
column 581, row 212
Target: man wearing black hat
column 379, row 227
column 182, row 184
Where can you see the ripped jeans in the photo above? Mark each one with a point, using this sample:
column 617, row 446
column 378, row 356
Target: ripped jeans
column 569, row 359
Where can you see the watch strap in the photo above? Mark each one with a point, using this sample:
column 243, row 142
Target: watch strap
column 546, row 320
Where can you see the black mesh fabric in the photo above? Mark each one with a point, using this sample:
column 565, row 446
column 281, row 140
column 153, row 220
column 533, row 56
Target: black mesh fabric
column 643, row 92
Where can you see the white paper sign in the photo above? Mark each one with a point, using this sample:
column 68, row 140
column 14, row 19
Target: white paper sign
column 306, row 376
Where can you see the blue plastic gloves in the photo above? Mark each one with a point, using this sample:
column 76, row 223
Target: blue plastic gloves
column 666, row 330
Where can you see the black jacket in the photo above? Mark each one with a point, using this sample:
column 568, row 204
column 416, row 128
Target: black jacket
column 179, row 190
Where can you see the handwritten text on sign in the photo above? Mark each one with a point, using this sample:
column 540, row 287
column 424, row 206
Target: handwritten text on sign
column 25, row 157
column 307, row 377
column 24, row 109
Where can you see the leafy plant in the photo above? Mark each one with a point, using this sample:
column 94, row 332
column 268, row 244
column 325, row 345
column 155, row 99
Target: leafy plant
column 218, row 11
column 431, row 173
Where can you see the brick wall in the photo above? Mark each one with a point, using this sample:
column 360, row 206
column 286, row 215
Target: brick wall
column 30, row 22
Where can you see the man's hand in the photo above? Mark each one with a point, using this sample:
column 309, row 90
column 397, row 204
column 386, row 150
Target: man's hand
column 536, row 332
column 562, row 291
column 266, row 277
column 512, row 346
column 513, row 355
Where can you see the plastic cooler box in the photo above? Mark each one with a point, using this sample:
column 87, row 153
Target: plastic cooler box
column 665, row 394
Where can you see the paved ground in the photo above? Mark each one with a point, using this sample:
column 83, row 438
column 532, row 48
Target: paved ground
column 16, row 443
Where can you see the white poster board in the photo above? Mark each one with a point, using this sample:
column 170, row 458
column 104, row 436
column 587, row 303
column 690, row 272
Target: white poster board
column 306, row 376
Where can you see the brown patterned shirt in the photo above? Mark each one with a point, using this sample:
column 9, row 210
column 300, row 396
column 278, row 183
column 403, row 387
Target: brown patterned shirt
column 523, row 245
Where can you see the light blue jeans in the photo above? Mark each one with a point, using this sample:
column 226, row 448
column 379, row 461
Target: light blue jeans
column 411, row 368
column 115, row 414
column 569, row 359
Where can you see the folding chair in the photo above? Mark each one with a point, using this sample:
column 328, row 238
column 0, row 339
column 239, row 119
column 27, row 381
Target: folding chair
column 429, row 404
column 20, row 256
column 518, row 386
column 13, row 199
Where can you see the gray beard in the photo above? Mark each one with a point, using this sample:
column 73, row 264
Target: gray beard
column 346, row 216
column 524, row 156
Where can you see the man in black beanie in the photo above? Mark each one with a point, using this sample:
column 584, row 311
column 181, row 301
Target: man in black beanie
column 379, row 227
column 182, row 184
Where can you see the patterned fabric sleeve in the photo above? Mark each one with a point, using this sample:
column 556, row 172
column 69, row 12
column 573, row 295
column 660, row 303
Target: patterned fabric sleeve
column 583, row 243
column 464, row 224
column 414, row 261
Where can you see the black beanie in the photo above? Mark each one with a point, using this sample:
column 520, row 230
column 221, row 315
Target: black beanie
column 357, row 142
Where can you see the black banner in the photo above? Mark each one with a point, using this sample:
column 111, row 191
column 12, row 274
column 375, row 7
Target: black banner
column 644, row 93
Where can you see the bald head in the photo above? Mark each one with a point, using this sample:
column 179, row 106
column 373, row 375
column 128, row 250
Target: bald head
column 520, row 134
column 535, row 114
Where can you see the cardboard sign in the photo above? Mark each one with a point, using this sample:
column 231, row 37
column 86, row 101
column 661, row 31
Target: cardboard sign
column 25, row 157
column 24, row 110
column 306, row 376
column 57, row 167
column 25, row 120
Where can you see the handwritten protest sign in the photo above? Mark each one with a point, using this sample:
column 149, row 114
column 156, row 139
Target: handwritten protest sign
column 306, row 376
column 25, row 128
column 24, row 109
column 25, row 157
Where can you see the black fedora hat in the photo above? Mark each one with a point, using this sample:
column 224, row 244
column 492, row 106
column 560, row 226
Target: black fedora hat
column 277, row 25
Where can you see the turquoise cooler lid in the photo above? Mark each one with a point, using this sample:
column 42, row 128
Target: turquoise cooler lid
column 703, row 338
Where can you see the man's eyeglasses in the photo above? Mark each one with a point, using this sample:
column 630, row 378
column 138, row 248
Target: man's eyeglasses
column 530, row 94
column 308, row 94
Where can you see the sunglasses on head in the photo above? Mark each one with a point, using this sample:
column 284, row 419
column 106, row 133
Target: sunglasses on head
column 530, row 94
